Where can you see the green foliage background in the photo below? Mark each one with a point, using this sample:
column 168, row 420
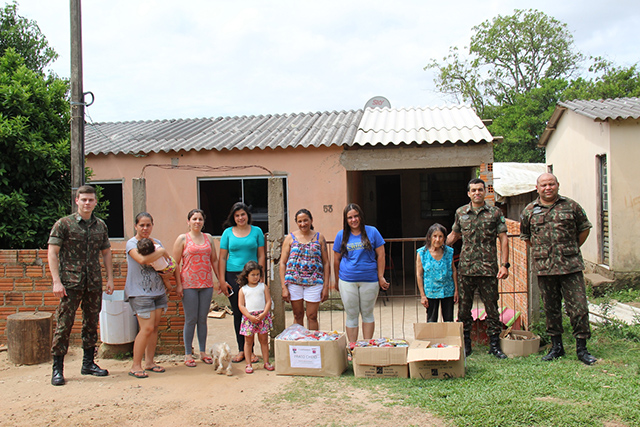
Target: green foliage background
column 34, row 135
column 516, row 69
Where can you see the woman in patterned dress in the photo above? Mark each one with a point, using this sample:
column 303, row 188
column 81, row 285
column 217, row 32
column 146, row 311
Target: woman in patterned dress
column 304, row 274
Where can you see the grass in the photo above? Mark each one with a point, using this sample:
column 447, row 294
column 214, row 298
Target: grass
column 621, row 295
column 522, row 391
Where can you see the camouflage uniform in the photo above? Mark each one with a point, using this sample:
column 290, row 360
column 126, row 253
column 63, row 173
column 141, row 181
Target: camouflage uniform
column 478, row 266
column 81, row 244
column 553, row 232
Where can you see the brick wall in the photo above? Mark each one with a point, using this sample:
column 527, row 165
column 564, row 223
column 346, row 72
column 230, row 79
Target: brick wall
column 514, row 291
column 25, row 286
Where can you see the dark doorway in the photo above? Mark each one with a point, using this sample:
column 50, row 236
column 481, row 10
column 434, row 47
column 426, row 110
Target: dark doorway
column 389, row 205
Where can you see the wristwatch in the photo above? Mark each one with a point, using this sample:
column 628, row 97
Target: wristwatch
column 506, row 264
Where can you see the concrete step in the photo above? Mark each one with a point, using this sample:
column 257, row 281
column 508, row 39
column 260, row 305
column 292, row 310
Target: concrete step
column 596, row 279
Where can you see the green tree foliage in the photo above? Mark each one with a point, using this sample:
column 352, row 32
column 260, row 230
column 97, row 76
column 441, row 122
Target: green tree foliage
column 508, row 56
column 609, row 81
column 518, row 68
column 522, row 122
column 25, row 37
column 34, row 135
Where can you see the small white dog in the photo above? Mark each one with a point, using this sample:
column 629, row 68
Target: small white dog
column 221, row 355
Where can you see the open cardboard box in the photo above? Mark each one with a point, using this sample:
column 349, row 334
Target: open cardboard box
column 380, row 362
column 311, row 358
column 448, row 362
column 529, row 344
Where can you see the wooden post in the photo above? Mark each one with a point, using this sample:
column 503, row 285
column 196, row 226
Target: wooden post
column 139, row 192
column 77, row 102
column 275, row 238
column 29, row 337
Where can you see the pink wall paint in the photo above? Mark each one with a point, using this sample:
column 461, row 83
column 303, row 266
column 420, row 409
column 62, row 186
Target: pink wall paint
column 315, row 179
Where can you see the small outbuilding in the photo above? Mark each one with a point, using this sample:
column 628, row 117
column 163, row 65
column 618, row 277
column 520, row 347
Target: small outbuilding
column 593, row 148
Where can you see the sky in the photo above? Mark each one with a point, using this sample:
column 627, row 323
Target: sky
column 167, row 59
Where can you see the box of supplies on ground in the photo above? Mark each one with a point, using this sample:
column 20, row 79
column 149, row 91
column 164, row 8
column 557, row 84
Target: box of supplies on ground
column 519, row 343
column 437, row 352
column 310, row 353
column 386, row 359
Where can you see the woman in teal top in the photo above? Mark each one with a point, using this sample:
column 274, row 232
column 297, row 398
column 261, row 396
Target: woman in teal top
column 241, row 242
column 437, row 275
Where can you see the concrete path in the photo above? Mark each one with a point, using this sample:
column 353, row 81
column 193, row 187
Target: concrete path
column 618, row 311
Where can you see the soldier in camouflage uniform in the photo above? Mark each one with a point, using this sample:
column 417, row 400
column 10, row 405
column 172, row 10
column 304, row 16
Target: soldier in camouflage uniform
column 76, row 243
column 555, row 227
column 479, row 225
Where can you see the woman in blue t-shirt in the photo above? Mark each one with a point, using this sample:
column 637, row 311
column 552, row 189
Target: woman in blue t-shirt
column 436, row 274
column 240, row 243
column 358, row 263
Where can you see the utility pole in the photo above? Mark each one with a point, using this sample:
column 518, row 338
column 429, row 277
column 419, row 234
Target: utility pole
column 77, row 102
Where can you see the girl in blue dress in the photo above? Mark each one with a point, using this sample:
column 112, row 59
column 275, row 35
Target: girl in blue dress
column 436, row 275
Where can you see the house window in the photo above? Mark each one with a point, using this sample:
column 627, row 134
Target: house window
column 603, row 214
column 112, row 192
column 440, row 193
column 218, row 195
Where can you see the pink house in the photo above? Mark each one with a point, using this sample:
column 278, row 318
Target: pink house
column 407, row 168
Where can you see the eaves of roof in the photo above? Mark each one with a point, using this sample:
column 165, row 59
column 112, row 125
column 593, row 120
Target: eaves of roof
column 449, row 124
column 245, row 132
column 429, row 125
column 596, row 109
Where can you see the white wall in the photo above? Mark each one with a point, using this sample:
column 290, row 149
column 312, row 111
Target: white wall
column 624, row 172
column 572, row 150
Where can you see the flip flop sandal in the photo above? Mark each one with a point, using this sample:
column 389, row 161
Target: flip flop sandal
column 207, row 360
column 254, row 359
column 237, row 359
column 155, row 368
column 138, row 374
column 269, row 367
column 249, row 369
column 190, row 363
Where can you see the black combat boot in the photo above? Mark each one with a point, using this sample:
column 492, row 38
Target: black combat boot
column 88, row 365
column 494, row 347
column 557, row 349
column 467, row 344
column 583, row 354
column 58, row 366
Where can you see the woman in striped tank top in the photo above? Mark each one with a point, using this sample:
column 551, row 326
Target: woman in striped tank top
column 196, row 258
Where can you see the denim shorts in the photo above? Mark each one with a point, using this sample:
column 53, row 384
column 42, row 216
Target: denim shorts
column 142, row 306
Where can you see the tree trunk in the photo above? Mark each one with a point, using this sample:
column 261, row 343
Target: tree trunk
column 29, row 337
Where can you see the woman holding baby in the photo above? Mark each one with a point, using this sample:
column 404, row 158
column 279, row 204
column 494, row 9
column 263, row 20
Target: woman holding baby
column 145, row 291
column 197, row 261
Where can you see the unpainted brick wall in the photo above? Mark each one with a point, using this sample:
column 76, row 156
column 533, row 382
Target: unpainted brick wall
column 25, row 286
column 514, row 291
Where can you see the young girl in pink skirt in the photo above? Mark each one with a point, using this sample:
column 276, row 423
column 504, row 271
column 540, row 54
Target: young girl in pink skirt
column 254, row 301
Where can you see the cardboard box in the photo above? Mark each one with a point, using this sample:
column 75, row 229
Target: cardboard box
column 530, row 344
column 311, row 358
column 380, row 362
column 426, row 362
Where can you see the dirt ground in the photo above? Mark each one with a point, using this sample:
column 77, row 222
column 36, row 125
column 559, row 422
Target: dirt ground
column 187, row 396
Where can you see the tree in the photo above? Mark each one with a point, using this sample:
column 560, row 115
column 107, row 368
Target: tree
column 609, row 81
column 25, row 37
column 35, row 164
column 508, row 56
column 519, row 67
column 521, row 123
column 34, row 135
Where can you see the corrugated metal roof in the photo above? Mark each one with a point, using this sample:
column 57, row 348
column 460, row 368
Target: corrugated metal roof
column 455, row 123
column 604, row 109
column 268, row 131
